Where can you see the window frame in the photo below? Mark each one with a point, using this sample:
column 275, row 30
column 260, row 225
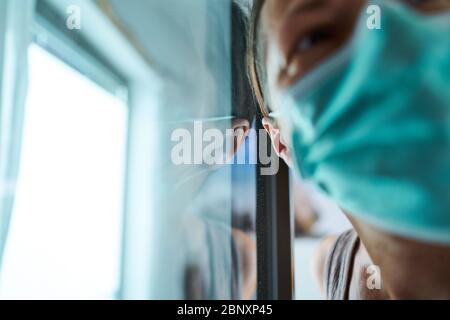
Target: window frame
column 49, row 31
column 274, row 231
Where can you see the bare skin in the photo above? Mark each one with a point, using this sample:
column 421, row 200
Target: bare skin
column 298, row 35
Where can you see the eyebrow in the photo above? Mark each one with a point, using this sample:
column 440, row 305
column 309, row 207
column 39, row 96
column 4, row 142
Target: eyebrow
column 306, row 5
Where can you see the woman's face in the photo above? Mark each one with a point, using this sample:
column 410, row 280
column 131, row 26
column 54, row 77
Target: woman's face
column 299, row 34
column 294, row 36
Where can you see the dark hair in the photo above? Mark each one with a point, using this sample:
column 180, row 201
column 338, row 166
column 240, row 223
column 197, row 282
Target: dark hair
column 243, row 102
column 255, row 61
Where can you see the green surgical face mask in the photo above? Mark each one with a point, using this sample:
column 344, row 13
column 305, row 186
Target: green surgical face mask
column 371, row 125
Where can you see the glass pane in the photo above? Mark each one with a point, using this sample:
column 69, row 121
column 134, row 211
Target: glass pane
column 187, row 232
column 244, row 217
column 65, row 234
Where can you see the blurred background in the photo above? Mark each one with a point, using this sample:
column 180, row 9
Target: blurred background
column 91, row 204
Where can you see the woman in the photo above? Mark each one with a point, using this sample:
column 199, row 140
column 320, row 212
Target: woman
column 355, row 95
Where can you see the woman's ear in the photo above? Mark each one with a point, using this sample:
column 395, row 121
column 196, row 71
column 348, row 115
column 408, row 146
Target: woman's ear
column 275, row 136
column 241, row 128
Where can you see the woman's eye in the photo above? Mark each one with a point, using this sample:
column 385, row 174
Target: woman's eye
column 309, row 42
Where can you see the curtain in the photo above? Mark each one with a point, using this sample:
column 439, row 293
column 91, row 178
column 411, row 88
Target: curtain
column 15, row 36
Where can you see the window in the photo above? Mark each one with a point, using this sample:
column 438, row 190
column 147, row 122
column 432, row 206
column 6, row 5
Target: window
column 65, row 234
